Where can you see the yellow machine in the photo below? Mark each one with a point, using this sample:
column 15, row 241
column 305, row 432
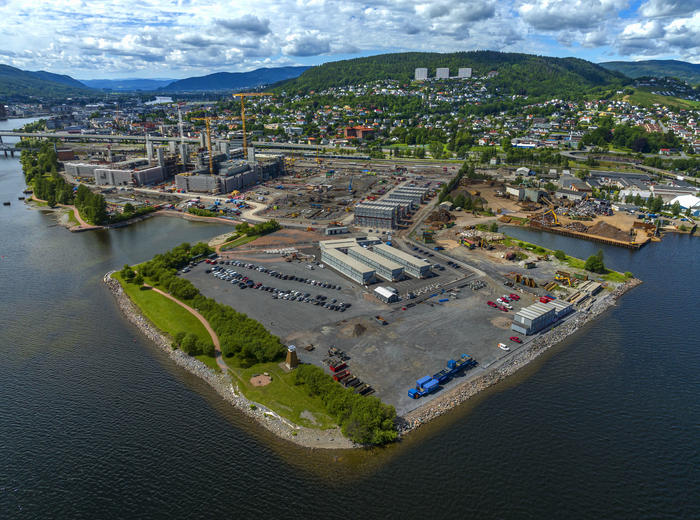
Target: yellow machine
column 207, row 121
column 243, row 96
column 563, row 276
column 556, row 219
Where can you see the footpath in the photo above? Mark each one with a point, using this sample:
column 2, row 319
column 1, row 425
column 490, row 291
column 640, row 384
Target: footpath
column 214, row 337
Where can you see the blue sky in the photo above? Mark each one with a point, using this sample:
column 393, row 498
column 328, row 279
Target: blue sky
column 178, row 38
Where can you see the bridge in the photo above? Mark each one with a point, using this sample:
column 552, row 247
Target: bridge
column 67, row 136
column 8, row 149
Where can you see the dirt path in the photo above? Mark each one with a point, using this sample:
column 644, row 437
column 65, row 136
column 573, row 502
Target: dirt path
column 215, row 339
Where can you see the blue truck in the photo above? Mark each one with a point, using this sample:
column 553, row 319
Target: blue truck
column 424, row 386
column 428, row 384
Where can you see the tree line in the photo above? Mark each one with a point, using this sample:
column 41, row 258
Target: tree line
column 241, row 337
column 633, row 138
column 365, row 420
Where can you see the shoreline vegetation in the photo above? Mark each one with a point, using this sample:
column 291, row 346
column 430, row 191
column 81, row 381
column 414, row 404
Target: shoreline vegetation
column 382, row 428
column 246, row 346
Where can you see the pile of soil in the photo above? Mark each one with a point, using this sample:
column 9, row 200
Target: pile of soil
column 358, row 330
column 603, row 229
column 440, row 215
column 577, row 226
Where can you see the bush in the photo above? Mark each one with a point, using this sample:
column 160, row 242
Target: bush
column 179, row 337
column 595, row 264
column 628, row 274
column 190, row 344
column 560, row 255
column 206, row 347
column 494, row 227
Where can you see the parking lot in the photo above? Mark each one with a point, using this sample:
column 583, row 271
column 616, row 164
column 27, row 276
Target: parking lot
column 419, row 336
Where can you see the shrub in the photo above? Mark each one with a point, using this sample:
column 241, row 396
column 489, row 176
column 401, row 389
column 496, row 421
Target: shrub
column 628, row 274
column 595, row 264
column 560, row 255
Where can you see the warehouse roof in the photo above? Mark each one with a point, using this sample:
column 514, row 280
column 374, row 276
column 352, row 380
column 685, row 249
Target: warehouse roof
column 405, row 257
column 535, row 310
column 385, row 292
column 381, row 260
column 349, row 261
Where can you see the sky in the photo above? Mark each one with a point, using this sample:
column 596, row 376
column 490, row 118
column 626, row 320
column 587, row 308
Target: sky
column 90, row 39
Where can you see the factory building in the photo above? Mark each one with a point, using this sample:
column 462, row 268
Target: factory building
column 128, row 177
column 412, row 266
column 345, row 243
column 347, row 266
column 383, row 267
column 230, row 175
column 376, row 216
column 538, row 316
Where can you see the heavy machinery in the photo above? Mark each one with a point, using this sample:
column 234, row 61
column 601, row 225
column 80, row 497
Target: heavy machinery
column 529, row 282
column 207, row 121
column 563, row 276
column 244, row 95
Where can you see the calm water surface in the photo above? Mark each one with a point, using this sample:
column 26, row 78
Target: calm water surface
column 97, row 423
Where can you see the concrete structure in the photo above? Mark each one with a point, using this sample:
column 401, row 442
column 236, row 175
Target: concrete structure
column 386, row 294
column 421, row 74
column 412, row 266
column 383, row 267
column 442, row 73
column 357, row 132
column 347, row 266
column 464, row 72
column 669, row 193
column 126, row 177
column 291, row 361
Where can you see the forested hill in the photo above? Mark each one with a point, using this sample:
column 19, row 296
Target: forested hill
column 234, row 80
column 689, row 72
column 517, row 73
column 25, row 85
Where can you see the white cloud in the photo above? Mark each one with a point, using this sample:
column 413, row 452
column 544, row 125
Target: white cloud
column 659, row 8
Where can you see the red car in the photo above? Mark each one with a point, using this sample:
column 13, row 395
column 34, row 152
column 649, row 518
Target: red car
column 503, row 308
column 514, row 297
column 492, row 304
column 516, row 339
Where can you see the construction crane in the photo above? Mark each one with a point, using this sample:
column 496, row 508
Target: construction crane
column 207, row 121
column 556, row 219
column 244, row 95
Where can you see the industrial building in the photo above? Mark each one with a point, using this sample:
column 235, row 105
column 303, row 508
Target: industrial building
column 382, row 216
column 347, row 266
column 412, row 266
column 538, row 316
column 386, row 294
column 383, row 267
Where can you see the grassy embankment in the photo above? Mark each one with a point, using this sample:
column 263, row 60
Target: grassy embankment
column 238, row 241
column 646, row 98
column 71, row 218
column 166, row 315
column 281, row 395
column 573, row 262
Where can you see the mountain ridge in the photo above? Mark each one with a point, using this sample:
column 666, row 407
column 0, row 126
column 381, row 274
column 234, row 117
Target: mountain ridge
column 683, row 70
column 234, row 80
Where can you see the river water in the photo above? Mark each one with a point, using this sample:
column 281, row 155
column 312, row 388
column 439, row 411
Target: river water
column 97, row 423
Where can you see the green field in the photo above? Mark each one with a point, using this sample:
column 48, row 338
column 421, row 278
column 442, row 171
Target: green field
column 283, row 396
column 165, row 314
column 647, row 99
column 71, row 218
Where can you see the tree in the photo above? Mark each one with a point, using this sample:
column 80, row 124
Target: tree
column 189, row 344
column 138, row 279
column 595, row 264
column 560, row 255
column 129, row 208
column 494, row 227
column 676, row 209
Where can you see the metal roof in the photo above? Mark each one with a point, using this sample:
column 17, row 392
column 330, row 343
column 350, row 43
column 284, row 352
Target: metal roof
column 381, row 260
column 353, row 264
column 383, row 291
column 405, row 257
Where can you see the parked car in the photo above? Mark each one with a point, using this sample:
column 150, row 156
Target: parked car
column 516, row 339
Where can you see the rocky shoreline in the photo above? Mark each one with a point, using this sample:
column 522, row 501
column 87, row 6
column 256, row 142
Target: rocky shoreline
column 221, row 383
column 333, row 439
column 510, row 364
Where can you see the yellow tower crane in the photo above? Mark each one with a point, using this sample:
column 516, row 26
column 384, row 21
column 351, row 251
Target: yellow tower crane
column 207, row 121
column 244, row 95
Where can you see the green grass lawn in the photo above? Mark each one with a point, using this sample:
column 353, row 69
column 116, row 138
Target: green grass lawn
column 238, row 242
column 646, row 98
column 282, row 396
column 166, row 315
